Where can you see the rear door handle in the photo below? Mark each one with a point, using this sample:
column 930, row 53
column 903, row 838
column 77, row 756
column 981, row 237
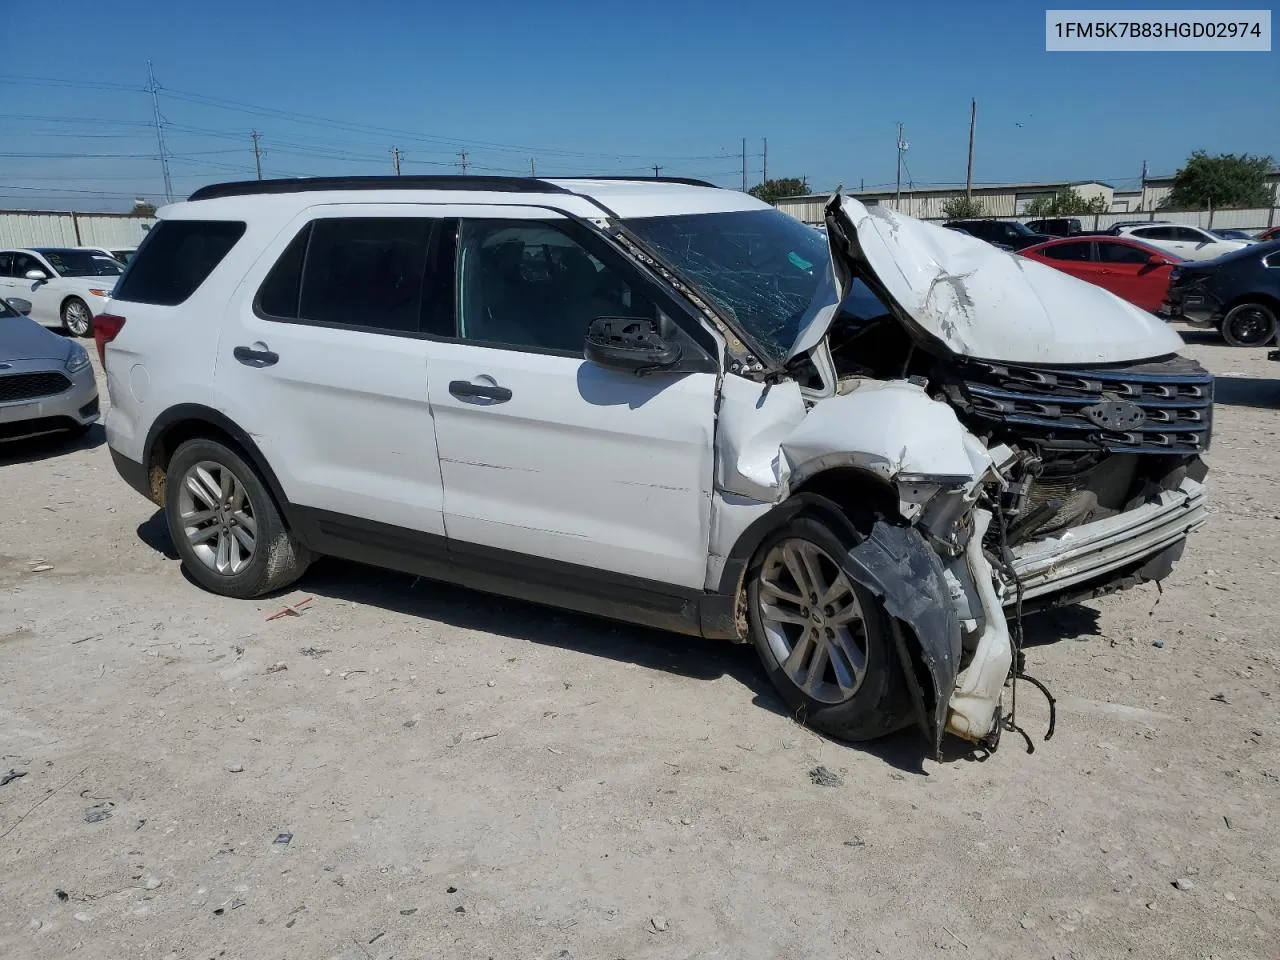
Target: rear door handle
column 464, row 388
column 256, row 356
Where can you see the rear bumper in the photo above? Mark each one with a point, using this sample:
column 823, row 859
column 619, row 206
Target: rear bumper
column 1195, row 305
column 1086, row 554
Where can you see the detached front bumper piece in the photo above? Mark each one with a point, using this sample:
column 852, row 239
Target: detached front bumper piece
column 1086, row 554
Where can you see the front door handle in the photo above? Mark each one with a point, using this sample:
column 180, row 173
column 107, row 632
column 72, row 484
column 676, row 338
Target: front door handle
column 464, row 389
column 256, row 356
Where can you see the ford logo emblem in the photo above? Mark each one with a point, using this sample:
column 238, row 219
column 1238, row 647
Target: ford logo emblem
column 1115, row 415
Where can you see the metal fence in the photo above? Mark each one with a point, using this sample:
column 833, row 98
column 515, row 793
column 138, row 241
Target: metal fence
column 41, row 228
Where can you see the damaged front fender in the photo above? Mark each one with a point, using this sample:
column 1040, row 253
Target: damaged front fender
column 897, row 564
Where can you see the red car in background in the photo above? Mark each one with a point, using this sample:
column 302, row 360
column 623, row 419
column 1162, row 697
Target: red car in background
column 1272, row 234
column 1130, row 269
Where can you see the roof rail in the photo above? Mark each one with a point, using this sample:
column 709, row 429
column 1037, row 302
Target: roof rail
column 688, row 181
column 246, row 188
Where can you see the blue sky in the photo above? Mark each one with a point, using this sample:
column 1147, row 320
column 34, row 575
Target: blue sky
column 599, row 87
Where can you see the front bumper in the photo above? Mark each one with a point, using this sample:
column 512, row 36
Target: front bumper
column 75, row 406
column 1087, row 554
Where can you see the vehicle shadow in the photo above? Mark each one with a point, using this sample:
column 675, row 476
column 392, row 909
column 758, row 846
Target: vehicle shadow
column 690, row 657
column 50, row 445
column 1201, row 335
column 1263, row 393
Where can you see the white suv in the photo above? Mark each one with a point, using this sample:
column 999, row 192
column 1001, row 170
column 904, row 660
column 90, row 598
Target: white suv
column 660, row 402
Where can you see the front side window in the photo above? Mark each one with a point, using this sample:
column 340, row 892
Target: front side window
column 23, row 263
column 766, row 270
column 1122, row 253
column 175, row 257
column 81, row 263
column 1155, row 233
column 1191, row 235
column 1068, row 251
column 6, row 264
column 528, row 284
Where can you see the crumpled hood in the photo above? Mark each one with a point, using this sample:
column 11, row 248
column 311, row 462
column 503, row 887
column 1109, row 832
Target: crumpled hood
column 21, row 338
column 982, row 302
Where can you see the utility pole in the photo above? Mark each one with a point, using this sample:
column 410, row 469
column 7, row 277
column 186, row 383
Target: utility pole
column 395, row 159
column 255, row 136
column 533, row 167
column 656, row 168
column 897, row 195
column 164, row 153
column 744, row 164
column 1142, row 187
column 862, row 184
column 973, row 122
column 764, row 166
column 462, row 158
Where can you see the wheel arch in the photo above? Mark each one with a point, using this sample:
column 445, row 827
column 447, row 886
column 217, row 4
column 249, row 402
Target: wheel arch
column 1265, row 299
column 190, row 421
column 839, row 496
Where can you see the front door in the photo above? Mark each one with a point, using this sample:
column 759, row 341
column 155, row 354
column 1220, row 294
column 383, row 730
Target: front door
column 1132, row 275
column 46, row 304
column 323, row 361
column 543, row 455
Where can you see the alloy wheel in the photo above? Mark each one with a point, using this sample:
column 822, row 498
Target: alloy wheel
column 77, row 318
column 813, row 621
column 217, row 518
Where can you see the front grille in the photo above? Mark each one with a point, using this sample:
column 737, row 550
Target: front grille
column 1056, row 408
column 31, row 386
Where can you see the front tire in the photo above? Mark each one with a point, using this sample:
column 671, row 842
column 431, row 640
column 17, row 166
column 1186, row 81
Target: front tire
column 1249, row 325
column 77, row 318
column 824, row 639
column 226, row 526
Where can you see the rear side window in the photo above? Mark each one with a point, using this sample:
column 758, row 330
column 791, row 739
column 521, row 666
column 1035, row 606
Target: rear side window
column 1122, row 253
column 175, row 258
column 380, row 274
column 1067, row 251
column 1156, row 233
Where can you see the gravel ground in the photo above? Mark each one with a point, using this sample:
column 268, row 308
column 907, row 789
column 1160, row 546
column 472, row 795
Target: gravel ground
column 410, row 770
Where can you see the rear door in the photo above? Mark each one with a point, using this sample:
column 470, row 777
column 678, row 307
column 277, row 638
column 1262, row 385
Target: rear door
column 323, row 359
column 1075, row 258
column 1131, row 274
column 546, row 457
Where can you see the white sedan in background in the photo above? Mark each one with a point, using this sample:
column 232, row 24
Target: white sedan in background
column 65, row 286
column 1189, row 243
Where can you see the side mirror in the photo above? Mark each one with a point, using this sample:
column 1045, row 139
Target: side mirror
column 1158, row 260
column 22, row 306
column 36, row 275
column 629, row 343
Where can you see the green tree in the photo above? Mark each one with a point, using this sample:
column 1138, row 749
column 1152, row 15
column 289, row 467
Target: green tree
column 1224, row 180
column 773, row 190
column 142, row 208
column 962, row 208
column 1066, row 202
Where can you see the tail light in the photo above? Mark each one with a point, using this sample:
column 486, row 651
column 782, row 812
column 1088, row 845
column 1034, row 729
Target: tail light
column 106, row 327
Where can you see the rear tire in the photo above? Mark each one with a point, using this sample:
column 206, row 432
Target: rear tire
column 225, row 525
column 77, row 318
column 1249, row 325
column 825, row 641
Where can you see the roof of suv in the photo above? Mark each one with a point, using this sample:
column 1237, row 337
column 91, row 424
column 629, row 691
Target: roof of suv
column 580, row 196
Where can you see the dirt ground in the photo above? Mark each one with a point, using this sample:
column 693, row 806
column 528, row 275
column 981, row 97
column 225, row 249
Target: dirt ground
column 467, row 777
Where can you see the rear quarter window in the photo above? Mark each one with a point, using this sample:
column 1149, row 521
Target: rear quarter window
column 175, row 258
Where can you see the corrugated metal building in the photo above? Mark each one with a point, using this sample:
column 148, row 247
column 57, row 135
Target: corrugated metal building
column 998, row 199
column 52, row 228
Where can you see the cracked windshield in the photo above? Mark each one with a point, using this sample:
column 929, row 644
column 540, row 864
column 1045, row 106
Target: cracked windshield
column 768, row 271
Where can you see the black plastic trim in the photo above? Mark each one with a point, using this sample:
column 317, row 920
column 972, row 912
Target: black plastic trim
column 249, row 188
column 132, row 472
column 614, row 178
column 553, row 583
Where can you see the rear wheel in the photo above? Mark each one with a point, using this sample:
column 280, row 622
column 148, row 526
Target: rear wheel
column 825, row 641
column 1249, row 325
column 225, row 525
column 77, row 318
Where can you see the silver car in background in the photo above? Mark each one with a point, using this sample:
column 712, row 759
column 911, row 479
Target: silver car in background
column 46, row 380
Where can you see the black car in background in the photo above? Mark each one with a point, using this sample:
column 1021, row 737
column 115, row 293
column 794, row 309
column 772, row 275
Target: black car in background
column 1239, row 293
column 1057, row 226
column 1005, row 233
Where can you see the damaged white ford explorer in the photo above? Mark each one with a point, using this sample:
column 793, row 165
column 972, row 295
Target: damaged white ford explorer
column 664, row 403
